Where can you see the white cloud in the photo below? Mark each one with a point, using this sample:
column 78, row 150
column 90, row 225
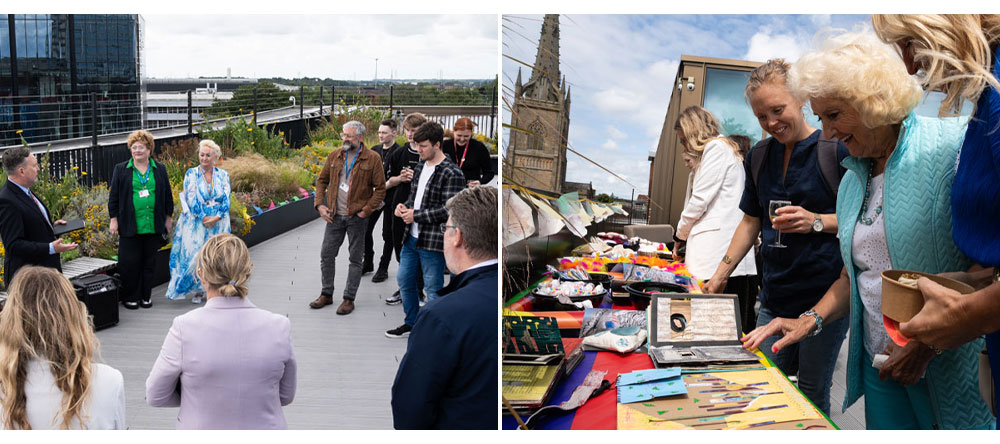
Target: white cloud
column 768, row 44
column 617, row 100
column 820, row 20
column 335, row 46
column 615, row 133
column 610, row 145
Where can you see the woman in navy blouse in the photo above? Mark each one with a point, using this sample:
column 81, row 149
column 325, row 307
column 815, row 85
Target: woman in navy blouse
column 795, row 277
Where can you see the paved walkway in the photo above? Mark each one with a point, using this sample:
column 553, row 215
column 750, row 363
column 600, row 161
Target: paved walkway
column 346, row 365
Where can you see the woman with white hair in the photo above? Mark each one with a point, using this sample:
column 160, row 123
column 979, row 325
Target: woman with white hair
column 205, row 213
column 894, row 209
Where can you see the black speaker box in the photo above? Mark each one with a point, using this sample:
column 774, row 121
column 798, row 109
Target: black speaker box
column 100, row 294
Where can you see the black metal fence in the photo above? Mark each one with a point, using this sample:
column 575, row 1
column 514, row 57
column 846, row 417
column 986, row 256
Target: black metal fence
column 42, row 118
column 59, row 117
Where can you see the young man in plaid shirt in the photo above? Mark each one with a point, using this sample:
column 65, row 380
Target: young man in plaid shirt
column 437, row 180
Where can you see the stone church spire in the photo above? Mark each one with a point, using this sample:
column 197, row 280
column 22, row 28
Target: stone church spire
column 547, row 56
column 545, row 74
column 541, row 109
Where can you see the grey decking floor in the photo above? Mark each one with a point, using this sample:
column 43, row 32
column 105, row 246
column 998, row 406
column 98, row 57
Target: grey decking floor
column 854, row 417
column 346, row 365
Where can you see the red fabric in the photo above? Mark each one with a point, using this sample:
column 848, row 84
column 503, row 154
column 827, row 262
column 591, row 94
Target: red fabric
column 601, row 413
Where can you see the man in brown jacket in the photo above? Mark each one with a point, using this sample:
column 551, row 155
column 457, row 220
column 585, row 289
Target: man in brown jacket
column 348, row 191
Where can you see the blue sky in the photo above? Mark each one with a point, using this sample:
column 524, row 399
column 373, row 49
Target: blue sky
column 621, row 69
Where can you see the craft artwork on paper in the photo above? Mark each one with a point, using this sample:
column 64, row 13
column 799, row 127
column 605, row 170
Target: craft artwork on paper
column 696, row 319
column 746, row 399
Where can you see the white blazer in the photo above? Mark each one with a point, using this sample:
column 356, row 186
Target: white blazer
column 712, row 212
column 104, row 407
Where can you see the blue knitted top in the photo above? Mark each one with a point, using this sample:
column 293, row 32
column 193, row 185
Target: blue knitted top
column 975, row 195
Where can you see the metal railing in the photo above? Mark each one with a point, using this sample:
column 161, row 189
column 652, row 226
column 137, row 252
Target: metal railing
column 44, row 118
column 59, row 117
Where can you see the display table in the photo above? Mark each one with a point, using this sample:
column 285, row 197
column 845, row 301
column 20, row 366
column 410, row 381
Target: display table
column 601, row 412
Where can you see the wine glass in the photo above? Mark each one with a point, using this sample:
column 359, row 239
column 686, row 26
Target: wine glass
column 772, row 210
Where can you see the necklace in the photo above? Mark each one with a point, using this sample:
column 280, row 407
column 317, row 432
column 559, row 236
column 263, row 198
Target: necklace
column 868, row 194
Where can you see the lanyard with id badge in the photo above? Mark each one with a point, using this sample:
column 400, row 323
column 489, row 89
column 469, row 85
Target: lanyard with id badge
column 143, row 180
column 344, row 186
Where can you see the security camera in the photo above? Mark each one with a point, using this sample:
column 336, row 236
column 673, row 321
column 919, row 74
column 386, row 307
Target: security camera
column 690, row 86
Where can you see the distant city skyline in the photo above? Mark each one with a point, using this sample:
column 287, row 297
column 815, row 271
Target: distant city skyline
column 340, row 47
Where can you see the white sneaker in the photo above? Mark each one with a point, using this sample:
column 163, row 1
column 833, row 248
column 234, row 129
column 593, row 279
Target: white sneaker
column 196, row 300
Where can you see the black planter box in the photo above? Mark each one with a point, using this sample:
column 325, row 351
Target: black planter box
column 266, row 225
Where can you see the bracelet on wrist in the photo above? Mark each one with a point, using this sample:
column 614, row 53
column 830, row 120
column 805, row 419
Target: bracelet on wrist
column 818, row 320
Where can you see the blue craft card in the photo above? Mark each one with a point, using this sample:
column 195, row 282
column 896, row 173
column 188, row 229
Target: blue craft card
column 641, row 376
column 650, row 390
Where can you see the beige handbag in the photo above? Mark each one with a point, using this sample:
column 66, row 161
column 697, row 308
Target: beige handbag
column 986, row 382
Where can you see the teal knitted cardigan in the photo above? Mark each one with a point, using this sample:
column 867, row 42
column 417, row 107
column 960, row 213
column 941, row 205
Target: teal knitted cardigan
column 917, row 211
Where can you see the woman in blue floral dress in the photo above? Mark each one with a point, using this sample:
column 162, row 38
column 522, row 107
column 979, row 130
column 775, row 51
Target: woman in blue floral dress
column 205, row 201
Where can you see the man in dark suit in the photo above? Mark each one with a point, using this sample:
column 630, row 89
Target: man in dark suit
column 25, row 222
column 448, row 376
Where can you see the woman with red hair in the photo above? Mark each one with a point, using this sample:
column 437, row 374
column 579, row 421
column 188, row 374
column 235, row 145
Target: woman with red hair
column 471, row 155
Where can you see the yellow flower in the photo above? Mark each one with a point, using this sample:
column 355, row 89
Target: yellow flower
column 64, row 197
column 19, row 131
column 76, row 168
column 249, row 129
column 83, row 173
column 252, row 143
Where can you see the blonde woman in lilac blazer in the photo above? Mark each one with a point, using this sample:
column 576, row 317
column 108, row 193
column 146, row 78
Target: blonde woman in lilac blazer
column 229, row 364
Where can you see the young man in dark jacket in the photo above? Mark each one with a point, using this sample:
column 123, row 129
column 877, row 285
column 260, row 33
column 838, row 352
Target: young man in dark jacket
column 448, row 376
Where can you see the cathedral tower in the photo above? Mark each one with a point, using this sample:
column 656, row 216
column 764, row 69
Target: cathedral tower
column 541, row 106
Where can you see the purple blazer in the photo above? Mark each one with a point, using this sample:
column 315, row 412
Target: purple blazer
column 228, row 365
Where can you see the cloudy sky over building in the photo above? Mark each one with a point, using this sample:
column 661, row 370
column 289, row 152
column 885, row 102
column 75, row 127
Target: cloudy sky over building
column 318, row 45
column 621, row 69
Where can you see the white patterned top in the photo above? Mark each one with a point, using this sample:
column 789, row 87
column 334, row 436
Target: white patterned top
column 871, row 256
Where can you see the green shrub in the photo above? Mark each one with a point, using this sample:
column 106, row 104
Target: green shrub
column 240, row 137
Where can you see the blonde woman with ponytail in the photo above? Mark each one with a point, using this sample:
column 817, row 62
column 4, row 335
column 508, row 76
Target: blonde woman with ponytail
column 48, row 377
column 229, row 364
column 712, row 211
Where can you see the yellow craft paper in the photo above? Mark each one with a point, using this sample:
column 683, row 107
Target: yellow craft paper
column 527, row 382
column 631, row 419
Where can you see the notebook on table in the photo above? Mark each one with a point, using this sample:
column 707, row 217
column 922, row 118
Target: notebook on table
column 694, row 330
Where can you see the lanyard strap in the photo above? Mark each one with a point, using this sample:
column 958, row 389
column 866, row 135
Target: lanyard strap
column 347, row 176
column 144, row 178
column 464, row 153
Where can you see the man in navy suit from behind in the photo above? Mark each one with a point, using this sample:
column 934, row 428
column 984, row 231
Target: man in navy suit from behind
column 25, row 222
column 448, row 376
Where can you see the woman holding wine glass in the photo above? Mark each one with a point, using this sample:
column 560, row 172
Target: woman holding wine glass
column 895, row 213
column 790, row 166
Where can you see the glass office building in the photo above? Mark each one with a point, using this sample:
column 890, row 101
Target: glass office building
column 66, row 75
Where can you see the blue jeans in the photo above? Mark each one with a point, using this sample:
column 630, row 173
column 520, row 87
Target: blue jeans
column 812, row 359
column 412, row 261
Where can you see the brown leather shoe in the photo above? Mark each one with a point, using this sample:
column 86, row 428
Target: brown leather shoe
column 322, row 301
column 346, row 307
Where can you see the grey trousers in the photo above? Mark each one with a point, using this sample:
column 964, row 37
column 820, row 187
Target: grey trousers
column 354, row 227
